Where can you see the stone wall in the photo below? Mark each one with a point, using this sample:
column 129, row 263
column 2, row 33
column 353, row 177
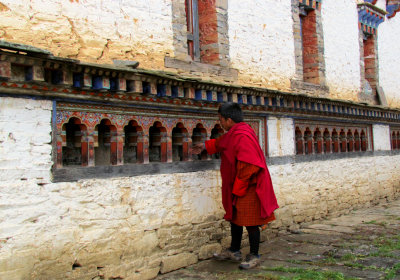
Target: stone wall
column 137, row 227
column 92, row 31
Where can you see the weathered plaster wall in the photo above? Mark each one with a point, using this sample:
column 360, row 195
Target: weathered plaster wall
column 389, row 59
column 25, row 139
column 136, row 227
column 94, row 31
column 280, row 137
column 262, row 46
column 341, row 48
column 381, row 137
column 310, row 190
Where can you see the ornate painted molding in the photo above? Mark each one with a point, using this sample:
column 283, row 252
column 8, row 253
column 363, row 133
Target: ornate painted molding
column 369, row 17
column 311, row 4
column 392, row 7
column 55, row 78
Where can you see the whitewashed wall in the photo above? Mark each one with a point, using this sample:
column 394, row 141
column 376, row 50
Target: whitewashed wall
column 261, row 41
column 280, row 137
column 261, row 46
column 25, row 139
column 139, row 226
column 381, row 136
column 389, row 59
column 341, row 48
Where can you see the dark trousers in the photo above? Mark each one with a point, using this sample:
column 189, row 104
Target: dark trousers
column 254, row 238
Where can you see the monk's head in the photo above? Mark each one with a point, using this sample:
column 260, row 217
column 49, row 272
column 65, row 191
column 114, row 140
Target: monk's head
column 229, row 114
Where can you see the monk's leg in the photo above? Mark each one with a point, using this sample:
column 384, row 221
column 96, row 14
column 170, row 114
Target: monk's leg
column 254, row 239
column 236, row 233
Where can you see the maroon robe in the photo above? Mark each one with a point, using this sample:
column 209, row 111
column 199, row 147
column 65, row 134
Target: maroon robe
column 240, row 143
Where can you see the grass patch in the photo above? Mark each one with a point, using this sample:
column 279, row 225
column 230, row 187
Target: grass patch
column 387, row 244
column 363, row 267
column 393, row 272
column 348, row 257
column 330, row 260
column 308, row 274
column 373, row 222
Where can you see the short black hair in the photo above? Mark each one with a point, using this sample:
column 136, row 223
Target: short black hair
column 232, row 111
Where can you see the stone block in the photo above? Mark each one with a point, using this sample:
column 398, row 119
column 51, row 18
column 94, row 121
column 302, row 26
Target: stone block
column 146, row 245
column 15, row 274
column 49, row 269
column 208, row 250
column 178, row 261
column 99, row 258
column 145, row 274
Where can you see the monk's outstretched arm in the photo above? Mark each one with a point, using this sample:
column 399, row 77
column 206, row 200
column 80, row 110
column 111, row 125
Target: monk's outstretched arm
column 212, row 146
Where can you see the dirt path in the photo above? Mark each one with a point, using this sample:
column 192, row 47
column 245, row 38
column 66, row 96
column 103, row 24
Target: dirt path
column 362, row 245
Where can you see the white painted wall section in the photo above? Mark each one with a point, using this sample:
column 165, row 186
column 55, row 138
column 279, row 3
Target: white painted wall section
column 262, row 45
column 342, row 48
column 25, row 139
column 280, row 137
column 389, row 59
column 381, row 136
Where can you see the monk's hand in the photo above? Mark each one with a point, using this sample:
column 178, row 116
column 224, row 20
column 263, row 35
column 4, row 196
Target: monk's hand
column 197, row 149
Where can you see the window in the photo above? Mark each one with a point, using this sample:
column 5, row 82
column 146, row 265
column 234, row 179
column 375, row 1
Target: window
column 309, row 41
column 105, row 146
column 309, row 46
column 369, row 17
column 395, row 138
column 192, row 21
column 74, row 148
column 202, row 30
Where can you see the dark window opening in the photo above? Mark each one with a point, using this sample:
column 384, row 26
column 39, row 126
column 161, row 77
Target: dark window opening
column 105, row 146
column 72, row 151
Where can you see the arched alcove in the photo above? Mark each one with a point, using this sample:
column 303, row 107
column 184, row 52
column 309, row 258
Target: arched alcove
column 308, row 139
column 157, row 143
column 350, row 141
column 74, row 151
column 357, row 141
column 343, row 141
column 199, row 136
column 364, row 142
column 335, row 141
column 179, row 143
column 216, row 132
column 299, row 141
column 317, row 141
column 327, row 141
column 105, row 147
column 133, row 144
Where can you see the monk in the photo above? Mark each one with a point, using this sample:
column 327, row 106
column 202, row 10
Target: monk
column 247, row 192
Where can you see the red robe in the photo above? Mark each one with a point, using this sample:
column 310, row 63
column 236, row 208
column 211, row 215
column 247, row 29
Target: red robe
column 240, row 143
